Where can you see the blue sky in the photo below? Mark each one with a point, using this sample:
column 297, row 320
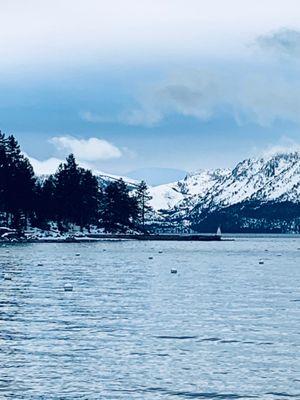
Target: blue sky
column 139, row 84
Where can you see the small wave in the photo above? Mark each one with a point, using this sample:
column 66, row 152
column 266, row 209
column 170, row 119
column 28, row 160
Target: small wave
column 210, row 339
column 284, row 394
column 176, row 337
column 265, row 344
column 199, row 395
column 229, row 341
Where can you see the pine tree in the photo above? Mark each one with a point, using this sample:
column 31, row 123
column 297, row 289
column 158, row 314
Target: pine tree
column 119, row 209
column 143, row 197
column 76, row 194
column 3, row 175
column 89, row 198
column 66, row 194
column 18, row 183
column 45, row 204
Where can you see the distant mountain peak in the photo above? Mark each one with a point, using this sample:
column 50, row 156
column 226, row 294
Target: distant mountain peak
column 263, row 179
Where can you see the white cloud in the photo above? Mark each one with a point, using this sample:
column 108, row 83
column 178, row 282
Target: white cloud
column 92, row 149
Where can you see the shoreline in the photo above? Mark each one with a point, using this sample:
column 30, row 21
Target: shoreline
column 104, row 237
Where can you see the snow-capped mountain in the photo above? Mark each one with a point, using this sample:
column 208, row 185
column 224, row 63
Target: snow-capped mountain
column 187, row 192
column 268, row 180
column 104, row 179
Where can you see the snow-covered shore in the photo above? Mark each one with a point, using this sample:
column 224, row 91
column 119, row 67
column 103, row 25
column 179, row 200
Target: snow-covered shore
column 53, row 235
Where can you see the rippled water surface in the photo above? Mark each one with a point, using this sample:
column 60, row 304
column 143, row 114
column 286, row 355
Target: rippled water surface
column 223, row 327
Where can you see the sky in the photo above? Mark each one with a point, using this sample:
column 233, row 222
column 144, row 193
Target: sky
column 138, row 85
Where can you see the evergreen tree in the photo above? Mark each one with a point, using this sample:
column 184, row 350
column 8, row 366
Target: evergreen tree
column 45, row 204
column 89, row 199
column 119, row 209
column 66, row 193
column 143, row 197
column 75, row 194
column 17, row 183
column 3, row 175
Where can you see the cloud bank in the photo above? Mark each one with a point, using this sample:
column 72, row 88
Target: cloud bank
column 58, row 31
column 283, row 42
column 257, row 97
column 262, row 92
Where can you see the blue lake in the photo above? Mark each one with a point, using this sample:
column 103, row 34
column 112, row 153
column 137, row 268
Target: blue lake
column 224, row 327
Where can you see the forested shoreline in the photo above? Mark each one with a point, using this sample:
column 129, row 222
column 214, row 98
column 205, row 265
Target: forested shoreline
column 71, row 196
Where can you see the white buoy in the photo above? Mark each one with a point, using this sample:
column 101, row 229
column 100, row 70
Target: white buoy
column 261, row 262
column 173, row 271
column 68, row 287
column 7, row 277
column 77, row 254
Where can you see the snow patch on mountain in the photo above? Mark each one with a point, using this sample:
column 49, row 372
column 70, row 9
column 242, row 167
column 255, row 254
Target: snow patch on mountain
column 166, row 196
column 105, row 178
column 187, row 191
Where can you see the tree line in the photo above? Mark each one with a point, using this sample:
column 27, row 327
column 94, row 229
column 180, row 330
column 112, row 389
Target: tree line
column 72, row 195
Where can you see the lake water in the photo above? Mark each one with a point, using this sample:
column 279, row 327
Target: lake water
column 223, row 327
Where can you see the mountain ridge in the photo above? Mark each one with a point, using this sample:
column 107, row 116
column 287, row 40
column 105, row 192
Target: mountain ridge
column 260, row 181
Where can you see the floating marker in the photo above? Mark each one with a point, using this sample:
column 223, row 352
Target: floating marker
column 160, row 252
column 7, row 277
column 77, row 254
column 173, row 271
column 150, row 258
column 261, row 262
column 40, row 264
column 68, row 287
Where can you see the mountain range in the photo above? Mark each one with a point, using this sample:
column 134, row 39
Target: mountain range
column 257, row 195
